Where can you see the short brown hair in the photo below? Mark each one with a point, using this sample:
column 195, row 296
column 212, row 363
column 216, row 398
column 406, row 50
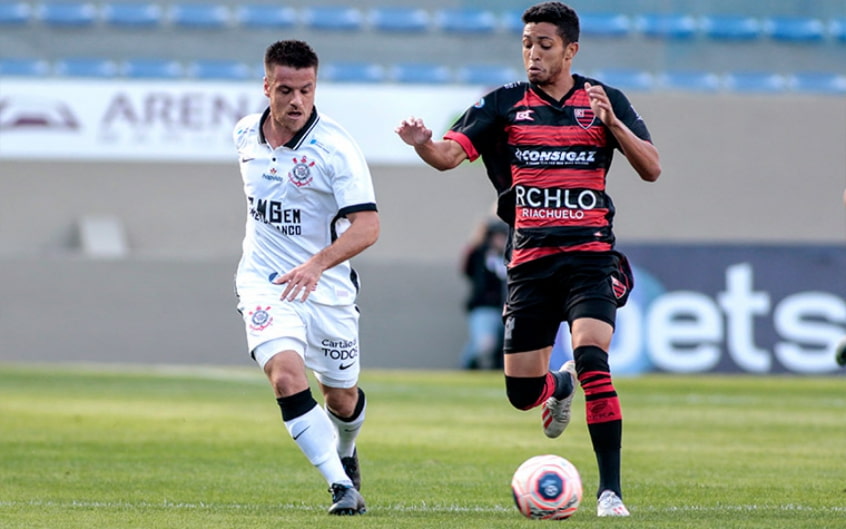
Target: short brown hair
column 294, row 53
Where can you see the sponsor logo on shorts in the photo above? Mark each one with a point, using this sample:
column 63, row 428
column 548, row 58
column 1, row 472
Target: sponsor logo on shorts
column 260, row 318
column 339, row 349
column 619, row 288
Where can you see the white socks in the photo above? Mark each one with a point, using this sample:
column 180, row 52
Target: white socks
column 346, row 432
column 315, row 434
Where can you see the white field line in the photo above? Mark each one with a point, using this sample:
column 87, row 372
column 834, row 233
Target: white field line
column 419, row 507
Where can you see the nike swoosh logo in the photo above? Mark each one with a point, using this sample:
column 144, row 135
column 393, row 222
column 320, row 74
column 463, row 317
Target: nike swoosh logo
column 245, row 160
column 342, row 366
column 302, row 432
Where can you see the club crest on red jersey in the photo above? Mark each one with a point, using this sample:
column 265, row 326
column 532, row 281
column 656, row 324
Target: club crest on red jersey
column 584, row 116
column 300, row 175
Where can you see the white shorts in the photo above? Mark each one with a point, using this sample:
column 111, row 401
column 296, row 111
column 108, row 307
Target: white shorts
column 325, row 336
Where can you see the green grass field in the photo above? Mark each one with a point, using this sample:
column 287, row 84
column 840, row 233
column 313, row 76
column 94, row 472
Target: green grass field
column 155, row 448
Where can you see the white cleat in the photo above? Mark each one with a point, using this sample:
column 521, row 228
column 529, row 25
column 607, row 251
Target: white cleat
column 609, row 504
column 556, row 413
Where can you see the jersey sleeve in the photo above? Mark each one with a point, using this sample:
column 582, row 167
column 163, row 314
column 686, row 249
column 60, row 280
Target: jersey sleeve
column 476, row 127
column 352, row 183
column 626, row 113
column 245, row 126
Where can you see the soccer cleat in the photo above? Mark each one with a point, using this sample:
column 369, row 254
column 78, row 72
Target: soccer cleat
column 609, row 504
column 346, row 500
column 556, row 413
column 350, row 465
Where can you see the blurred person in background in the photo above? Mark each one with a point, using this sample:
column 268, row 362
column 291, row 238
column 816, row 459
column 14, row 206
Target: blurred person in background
column 484, row 267
column 840, row 348
column 310, row 208
column 547, row 145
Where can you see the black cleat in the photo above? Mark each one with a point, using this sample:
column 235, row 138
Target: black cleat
column 346, row 500
column 351, row 468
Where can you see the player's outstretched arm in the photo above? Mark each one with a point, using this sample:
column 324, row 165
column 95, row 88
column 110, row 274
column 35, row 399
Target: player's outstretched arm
column 361, row 234
column 442, row 155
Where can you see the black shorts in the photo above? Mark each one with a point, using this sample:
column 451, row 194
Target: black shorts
column 546, row 292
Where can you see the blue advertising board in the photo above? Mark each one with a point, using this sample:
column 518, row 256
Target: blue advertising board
column 756, row 309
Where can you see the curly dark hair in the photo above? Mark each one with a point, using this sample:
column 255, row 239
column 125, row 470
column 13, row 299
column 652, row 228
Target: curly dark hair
column 294, row 53
column 561, row 15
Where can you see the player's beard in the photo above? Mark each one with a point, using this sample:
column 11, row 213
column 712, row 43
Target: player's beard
column 545, row 77
column 540, row 80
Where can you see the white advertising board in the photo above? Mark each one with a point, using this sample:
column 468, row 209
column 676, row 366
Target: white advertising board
column 192, row 121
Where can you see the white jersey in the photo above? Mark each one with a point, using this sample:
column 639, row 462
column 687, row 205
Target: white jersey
column 298, row 196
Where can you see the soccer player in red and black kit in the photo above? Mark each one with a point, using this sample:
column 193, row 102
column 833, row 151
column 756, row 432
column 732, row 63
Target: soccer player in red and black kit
column 547, row 146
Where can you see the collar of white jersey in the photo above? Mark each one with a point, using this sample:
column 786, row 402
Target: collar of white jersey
column 297, row 140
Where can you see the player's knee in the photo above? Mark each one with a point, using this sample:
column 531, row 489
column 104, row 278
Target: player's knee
column 346, row 404
column 590, row 358
column 523, row 392
column 285, row 383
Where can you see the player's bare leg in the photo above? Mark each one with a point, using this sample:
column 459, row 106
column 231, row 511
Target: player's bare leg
column 311, row 428
column 347, row 409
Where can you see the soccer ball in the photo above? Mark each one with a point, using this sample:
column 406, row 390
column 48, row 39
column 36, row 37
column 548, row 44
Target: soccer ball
column 547, row 487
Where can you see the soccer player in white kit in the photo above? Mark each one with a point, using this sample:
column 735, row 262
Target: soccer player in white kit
column 310, row 208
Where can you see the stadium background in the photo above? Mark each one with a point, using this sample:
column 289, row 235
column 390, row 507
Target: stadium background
column 110, row 257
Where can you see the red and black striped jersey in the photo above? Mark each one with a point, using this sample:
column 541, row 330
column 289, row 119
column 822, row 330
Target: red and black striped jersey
column 548, row 161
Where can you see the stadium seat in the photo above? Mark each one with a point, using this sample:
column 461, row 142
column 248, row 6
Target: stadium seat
column 137, row 15
column 67, row 14
column 605, row 25
column 626, row 79
column 731, row 27
column 818, row 83
column 795, row 29
column 488, row 74
column 689, row 81
column 84, row 67
column 420, row 73
column 15, row 13
column 755, row 82
column 352, row 72
column 24, row 67
column 199, row 16
column 152, row 69
column 512, row 21
column 333, row 18
column 466, row 20
column 266, row 16
column 666, row 26
column 219, row 70
column 837, row 29
column 399, row 19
